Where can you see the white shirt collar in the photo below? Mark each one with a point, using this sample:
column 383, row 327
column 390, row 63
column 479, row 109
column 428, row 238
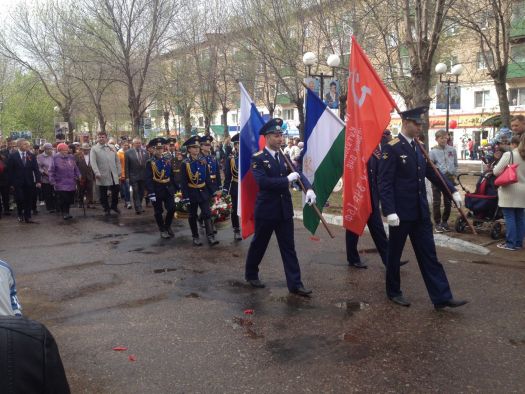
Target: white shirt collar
column 272, row 152
column 407, row 138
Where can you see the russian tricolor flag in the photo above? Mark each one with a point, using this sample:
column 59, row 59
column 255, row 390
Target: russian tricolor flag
column 249, row 143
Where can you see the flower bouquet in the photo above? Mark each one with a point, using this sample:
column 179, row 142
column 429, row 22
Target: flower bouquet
column 182, row 210
column 221, row 207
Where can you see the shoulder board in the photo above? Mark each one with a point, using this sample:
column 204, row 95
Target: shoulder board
column 393, row 142
column 258, row 153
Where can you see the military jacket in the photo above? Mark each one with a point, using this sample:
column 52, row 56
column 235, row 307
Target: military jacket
column 215, row 172
column 159, row 175
column 231, row 175
column 196, row 182
column 274, row 201
column 402, row 173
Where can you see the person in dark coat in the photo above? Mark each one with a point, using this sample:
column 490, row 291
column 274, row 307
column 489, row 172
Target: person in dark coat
column 197, row 189
column 24, row 179
column 29, row 358
column 274, row 210
column 231, row 185
column 160, row 187
column 402, row 191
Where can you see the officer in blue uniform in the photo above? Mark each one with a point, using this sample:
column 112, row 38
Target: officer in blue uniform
column 374, row 223
column 197, row 188
column 402, row 190
column 231, row 185
column 161, row 187
column 214, row 169
column 274, row 210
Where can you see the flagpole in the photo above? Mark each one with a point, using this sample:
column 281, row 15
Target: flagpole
column 440, row 176
column 316, row 210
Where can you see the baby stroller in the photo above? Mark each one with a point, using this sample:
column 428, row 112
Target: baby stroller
column 482, row 205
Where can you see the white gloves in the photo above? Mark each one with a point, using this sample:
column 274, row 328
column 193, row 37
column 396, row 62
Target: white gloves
column 393, row 220
column 293, row 176
column 152, row 198
column 311, row 198
column 457, row 199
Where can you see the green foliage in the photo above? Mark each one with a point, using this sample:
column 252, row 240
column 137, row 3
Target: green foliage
column 26, row 106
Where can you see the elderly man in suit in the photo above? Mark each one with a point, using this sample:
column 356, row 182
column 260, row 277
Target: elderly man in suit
column 106, row 166
column 87, row 176
column 24, row 179
column 135, row 164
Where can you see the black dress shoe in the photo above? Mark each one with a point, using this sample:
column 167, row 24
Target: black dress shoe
column 107, row 212
column 358, row 264
column 256, row 283
column 451, row 304
column 301, row 291
column 116, row 210
column 400, row 300
column 403, row 262
column 170, row 232
column 29, row 221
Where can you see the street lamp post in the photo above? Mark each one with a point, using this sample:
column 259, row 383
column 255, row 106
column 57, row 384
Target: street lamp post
column 448, row 79
column 333, row 60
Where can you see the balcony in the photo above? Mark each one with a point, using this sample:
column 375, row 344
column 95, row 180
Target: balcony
column 516, row 70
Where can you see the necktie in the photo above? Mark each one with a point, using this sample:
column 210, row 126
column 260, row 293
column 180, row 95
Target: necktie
column 277, row 157
column 24, row 158
column 139, row 154
column 413, row 143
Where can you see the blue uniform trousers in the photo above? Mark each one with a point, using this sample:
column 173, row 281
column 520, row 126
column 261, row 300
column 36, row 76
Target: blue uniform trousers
column 422, row 239
column 284, row 231
column 164, row 195
column 377, row 231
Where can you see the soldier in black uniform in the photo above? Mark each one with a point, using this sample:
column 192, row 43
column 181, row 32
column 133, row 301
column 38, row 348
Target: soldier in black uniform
column 274, row 209
column 197, row 189
column 213, row 167
column 231, row 185
column 160, row 186
column 402, row 173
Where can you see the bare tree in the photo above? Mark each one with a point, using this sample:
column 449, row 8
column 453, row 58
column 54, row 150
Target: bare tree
column 276, row 32
column 36, row 39
column 490, row 20
column 129, row 36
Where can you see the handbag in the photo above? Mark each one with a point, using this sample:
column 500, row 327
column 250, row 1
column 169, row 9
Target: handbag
column 509, row 174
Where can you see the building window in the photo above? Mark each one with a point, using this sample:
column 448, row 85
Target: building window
column 288, row 114
column 450, row 28
column 517, row 96
column 484, row 60
column 481, row 98
column 517, row 53
column 235, row 118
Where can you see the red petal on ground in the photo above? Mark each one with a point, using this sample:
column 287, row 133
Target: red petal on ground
column 313, row 238
column 120, row 348
column 249, row 312
column 132, row 357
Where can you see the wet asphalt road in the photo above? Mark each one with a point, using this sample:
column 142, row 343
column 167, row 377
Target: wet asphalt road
column 99, row 283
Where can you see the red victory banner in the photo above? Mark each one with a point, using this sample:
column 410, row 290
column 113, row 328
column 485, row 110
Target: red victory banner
column 369, row 105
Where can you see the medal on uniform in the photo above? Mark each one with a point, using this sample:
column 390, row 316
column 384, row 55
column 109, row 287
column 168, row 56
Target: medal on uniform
column 403, row 157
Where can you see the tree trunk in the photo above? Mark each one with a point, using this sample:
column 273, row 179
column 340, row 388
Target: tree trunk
column 66, row 114
column 420, row 88
column 342, row 107
column 101, row 118
column 300, row 108
column 500, row 82
column 271, row 109
column 225, row 111
column 187, row 123
column 167, row 122
column 207, row 122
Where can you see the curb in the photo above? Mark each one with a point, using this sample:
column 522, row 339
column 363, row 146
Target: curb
column 441, row 240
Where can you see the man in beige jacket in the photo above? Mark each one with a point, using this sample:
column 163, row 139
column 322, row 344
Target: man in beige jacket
column 106, row 166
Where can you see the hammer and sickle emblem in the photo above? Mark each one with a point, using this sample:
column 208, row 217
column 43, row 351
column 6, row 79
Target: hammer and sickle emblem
column 364, row 91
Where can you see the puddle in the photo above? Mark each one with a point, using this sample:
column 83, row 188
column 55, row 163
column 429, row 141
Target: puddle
column 192, row 295
column 162, row 270
column 309, row 348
